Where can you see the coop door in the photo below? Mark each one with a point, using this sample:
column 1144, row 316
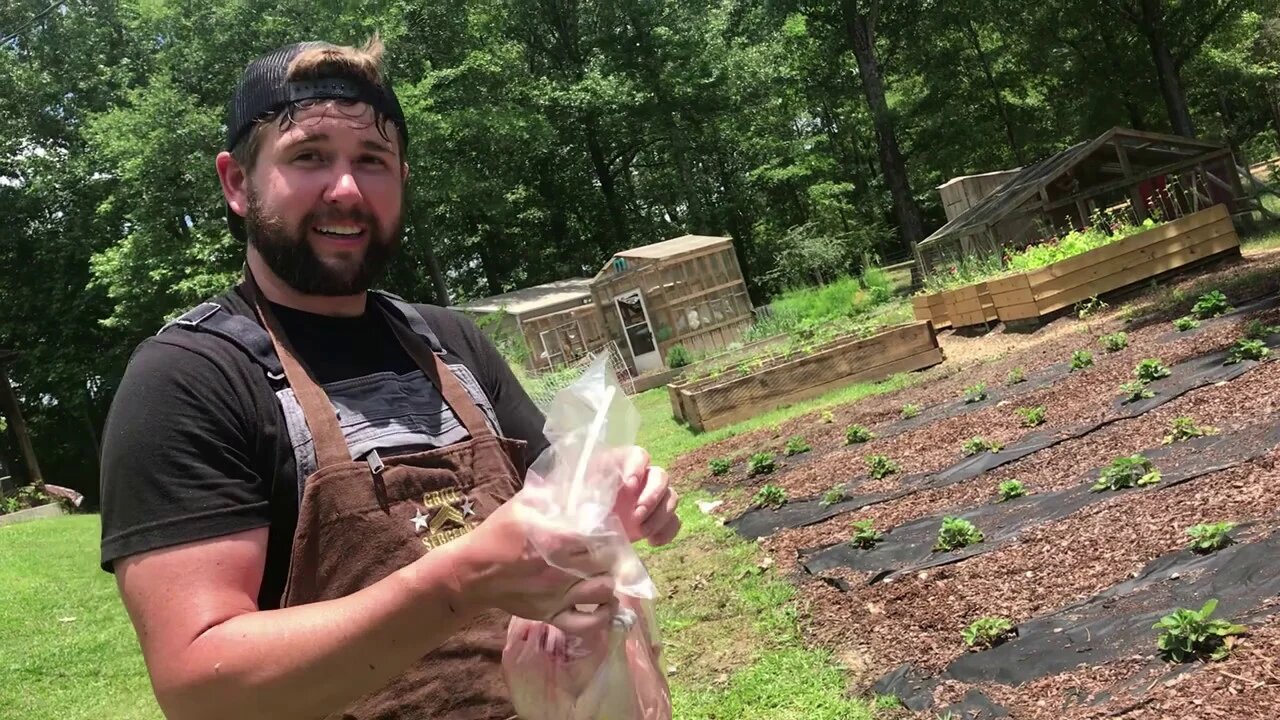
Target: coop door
column 639, row 333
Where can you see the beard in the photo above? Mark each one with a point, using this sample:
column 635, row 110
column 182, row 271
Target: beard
column 290, row 256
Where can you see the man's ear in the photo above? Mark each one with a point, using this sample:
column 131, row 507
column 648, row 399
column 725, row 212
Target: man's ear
column 235, row 189
column 404, row 172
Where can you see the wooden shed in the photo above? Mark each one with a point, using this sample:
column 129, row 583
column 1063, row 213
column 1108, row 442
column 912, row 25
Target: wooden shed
column 686, row 291
column 1141, row 172
column 557, row 321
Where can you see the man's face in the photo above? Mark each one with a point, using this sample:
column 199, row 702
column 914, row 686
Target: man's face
column 325, row 199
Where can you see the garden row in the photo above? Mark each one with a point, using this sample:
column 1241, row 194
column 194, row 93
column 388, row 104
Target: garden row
column 935, row 551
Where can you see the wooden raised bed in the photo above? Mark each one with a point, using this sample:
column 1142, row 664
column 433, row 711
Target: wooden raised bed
column 711, row 403
column 970, row 305
column 1191, row 239
column 932, row 307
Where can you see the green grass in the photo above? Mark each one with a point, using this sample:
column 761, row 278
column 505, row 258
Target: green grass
column 69, row 651
column 1267, row 240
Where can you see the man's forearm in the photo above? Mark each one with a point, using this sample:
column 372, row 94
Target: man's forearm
column 311, row 660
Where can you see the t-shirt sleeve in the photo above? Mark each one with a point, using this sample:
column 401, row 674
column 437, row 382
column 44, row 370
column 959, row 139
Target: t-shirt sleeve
column 177, row 455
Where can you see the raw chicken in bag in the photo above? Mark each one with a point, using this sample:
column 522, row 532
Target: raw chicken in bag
column 615, row 674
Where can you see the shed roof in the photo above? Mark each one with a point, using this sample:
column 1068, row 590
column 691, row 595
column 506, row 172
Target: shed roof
column 526, row 300
column 1026, row 185
column 673, row 247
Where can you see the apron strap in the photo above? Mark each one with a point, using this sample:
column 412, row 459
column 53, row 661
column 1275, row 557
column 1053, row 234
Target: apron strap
column 317, row 409
column 435, row 368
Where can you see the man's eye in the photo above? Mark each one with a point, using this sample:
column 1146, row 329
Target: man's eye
column 307, row 156
column 375, row 160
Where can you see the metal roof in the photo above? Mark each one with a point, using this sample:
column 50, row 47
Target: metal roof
column 673, row 247
column 526, row 300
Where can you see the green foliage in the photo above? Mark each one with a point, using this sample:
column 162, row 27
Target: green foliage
column 832, row 496
column 1115, row 342
column 1127, row 472
column 1010, row 489
column 797, row 445
column 1186, row 323
column 1150, row 370
column 1081, row 359
column 1031, row 416
column 1185, row 428
column 987, row 632
column 956, row 533
column 1076, row 242
column 770, row 496
column 865, row 535
column 1190, row 634
column 761, row 463
column 1135, row 390
column 1086, row 309
column 1258, row 330
column 855, row 434
column 719, row 466
column 678, row 357
column 827, row 417
column 887, row 702
column 1207, row 537
column 880, row 466
column 1245, row 349
column 1210, row 305
column 976, row 445
column 910, row 410
column 975, row 393
column 1016, row 375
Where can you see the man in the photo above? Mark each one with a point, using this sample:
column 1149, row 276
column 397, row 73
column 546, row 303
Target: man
column 306, row 484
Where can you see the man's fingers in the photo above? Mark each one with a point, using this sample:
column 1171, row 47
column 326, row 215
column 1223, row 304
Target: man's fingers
column 654, row 494
column 634, row 467
column 575, row 623
column 662, row 516
column 596, row 590
column 666, row 533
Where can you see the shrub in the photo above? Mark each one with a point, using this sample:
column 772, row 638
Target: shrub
column 1081, row 359
column 770, row 496
column 1246, row 349
column 1031, row 416
column 1010, row 489
column 1190, row 634
column 1150, row 370
column 973, row 446
column 909, row 411
column 857, row 434
column 1211, row 304
column 1207, row 537
column 797, row 445
column 881, row 466
column 1135, row 391
column 956, row 533
column 987, row 632
column 1115, row 342
column 760, row 464
column 864, row 535
column 678, row 357
column 1186, row 323
column 1127, row 472
column 719, row 466
column 1016, row 375
column 975, row 393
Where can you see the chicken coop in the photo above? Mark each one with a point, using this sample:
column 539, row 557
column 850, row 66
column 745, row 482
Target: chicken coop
column 686, row 291
column 557, row 321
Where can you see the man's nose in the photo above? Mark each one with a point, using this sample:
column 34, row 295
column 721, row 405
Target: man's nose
column 343, row 190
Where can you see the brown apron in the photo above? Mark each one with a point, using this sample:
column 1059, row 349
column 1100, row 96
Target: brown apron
column 356, row 526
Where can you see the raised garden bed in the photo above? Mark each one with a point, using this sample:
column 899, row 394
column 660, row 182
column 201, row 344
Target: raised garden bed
column 931, row 307
column 710, row 403
column 1135, row 259
column 970, row 305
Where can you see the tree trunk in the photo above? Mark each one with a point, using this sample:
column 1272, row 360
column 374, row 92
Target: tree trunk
column 489, row 263
column 437, row 277
column 861, row 33
column 10, row 409
column 1273, row 94
column 696, row 220
column 997, row 98
column 617, row 218
column 1167, row 70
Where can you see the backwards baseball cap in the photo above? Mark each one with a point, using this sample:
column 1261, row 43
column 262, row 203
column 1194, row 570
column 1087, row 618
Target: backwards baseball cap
column 264, row 89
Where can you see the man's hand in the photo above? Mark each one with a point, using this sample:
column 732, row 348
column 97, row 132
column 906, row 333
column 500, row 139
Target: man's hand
column 646, row 503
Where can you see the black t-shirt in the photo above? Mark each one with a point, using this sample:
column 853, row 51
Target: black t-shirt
column 196, row 446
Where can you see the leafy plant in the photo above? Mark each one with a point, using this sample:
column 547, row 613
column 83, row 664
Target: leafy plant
column 956, row 533
column 1081, row 359
column 760, row 463
column 832, row 496
column 770, row 496
column 987, row 632
column 1258, row 330
column 797, row 445
column 864, row 534
column 1246, row 349
column 857, row 434
column 828, row 417
column 1211, row 304
column 1185, row 428
column 1150, row 370
column 678, row 357
column 1127, row 472
column 909, row 411
column 1115, row 342
column 1207, row 537
column 881, row 466
column 1135, row 391
column 1190, row 634
column 1088, row 308
column 1186, row 323
column 887, row 702
column 973, row 446
column 1031, row 416
column 1016, row 375
column 1010, row 489
column 975, row 393
column 719, row 466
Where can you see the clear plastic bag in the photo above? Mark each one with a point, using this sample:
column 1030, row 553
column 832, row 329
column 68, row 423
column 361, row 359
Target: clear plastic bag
column 615, row 674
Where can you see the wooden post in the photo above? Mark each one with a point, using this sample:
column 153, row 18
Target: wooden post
column 9, row 408
column 1135, row 195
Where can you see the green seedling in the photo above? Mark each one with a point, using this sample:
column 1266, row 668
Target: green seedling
column 719, row 466
column 887, row 702
column 1127, row 472
column 1211, row 304
column 1207, row 537
column 1081, row 359
column 973, row 446
column 881, row 466
column 1190, row 634
column 956, row 533
column 828, row 417
column 1010, row 489
column 1031, row 416
column 1186, row 323
column 760, row 464
column 1150, row 370
column 1016, row 375
column 797, row 445
column 1115, row 342
column 1185, row 428
column 1258, row 330
column 864, row 534
column 975, row 393
column 857, row 434
column 1135, row 391
column 770, row 496
column 987, row 632
column 1246, row 349
column 909, row 411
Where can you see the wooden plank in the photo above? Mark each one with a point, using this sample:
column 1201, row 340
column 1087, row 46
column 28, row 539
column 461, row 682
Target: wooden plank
column 1104, row 188
column 1021, row 311
column 1086, row 275
column 1017, row 281
column 1129, row 244
column 1013, row 297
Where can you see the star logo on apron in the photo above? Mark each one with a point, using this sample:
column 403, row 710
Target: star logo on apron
column 450, row 511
